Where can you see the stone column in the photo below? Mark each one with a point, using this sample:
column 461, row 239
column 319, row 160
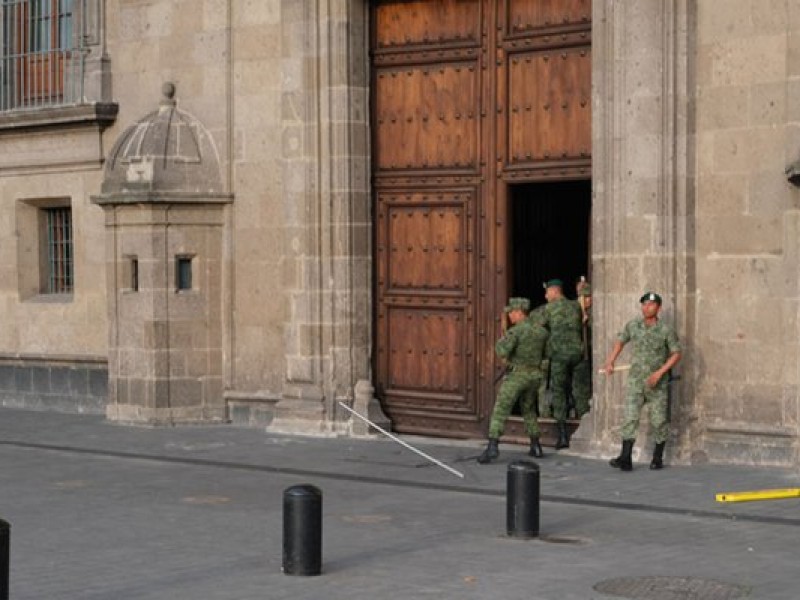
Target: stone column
column 327, row 208
column 643, row 193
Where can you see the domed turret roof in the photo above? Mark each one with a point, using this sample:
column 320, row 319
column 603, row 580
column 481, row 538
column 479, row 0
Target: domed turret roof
column 168, row 151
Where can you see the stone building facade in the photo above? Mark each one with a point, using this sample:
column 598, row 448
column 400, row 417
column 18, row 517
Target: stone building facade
column 695, row 115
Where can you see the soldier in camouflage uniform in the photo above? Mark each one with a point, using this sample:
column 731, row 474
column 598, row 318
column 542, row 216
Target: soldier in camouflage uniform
column 544, row 410
column 656, row 350
column 582, row 375
column 563, row 318
column 522, row 347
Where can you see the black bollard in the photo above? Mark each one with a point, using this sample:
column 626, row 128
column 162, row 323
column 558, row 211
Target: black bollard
column 5, row 558
column 302, row 530
column 522, row 499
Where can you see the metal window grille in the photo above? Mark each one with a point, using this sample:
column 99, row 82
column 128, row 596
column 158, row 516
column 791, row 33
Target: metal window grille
column 42, row 61
column 59, row 251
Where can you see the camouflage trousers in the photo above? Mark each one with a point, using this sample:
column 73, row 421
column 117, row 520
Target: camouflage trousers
column 517, row 385
column 582, row 386
column 655, row 399
column 562, row 373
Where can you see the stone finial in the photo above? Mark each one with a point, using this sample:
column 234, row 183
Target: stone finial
column 168, row 90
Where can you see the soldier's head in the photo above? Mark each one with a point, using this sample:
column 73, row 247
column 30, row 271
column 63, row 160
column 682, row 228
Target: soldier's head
column 651, row 304
column 553, row 289
column 584, row 290
column 517, row 309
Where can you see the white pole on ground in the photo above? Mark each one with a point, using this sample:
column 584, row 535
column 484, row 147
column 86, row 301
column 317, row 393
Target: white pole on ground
column 402, row 443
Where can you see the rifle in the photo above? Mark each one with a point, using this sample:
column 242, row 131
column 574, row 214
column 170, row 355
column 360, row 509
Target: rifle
column 502, row 373
column 584, row 327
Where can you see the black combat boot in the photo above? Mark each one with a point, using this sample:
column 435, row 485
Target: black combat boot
column 563, row 438
column 536, row 448
column 490, row 453
column 624, row 461
column 658, row 456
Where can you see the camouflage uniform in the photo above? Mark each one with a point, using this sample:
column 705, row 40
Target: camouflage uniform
column 544, row 410
column 582, row 374
column 652, row 346
column 563, row 319
column 522, row 347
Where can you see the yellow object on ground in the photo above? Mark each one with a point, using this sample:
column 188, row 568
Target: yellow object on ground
column 758, row 495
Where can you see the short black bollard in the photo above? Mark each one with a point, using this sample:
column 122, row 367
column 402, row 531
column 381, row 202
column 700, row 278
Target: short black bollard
column 522, row 499
column 302, row 530
column 5, row 558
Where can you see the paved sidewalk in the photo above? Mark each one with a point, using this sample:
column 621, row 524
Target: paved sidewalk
column 105, row 512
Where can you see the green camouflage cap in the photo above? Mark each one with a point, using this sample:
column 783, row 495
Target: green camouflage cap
column 650, row 297
column 518, row 304
column 586, row 290
column 553, row 283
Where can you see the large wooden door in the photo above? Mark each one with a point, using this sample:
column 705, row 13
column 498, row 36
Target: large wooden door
column 468, row 96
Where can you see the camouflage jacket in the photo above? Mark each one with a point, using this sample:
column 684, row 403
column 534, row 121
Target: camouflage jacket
column 652, row 345
column 523, row 345
column 564, row 319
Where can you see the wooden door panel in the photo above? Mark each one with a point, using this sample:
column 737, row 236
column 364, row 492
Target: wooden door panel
column 425, row 242
column 550, row 105
column 526, row 15
column 425, row 326
column 426, row 116
column 425, row 22
column 426, row 249
column 426, row 352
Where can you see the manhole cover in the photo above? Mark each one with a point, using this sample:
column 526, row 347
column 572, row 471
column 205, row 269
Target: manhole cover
column 670, row 588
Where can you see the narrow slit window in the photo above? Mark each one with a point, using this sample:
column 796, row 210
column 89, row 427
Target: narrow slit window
column 183, row 273
column 134, row 274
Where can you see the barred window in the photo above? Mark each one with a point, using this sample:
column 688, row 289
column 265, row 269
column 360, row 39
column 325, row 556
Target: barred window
column 41, row 59
column 59, row 271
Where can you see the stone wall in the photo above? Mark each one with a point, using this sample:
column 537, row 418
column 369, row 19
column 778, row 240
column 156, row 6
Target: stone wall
column 695, row 121
column 282, row 86
column 747, row 230
column 33, row 324
column 49, row 383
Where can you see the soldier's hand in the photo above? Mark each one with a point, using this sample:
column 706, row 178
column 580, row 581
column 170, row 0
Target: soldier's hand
column 653, row 380
column 608, row 368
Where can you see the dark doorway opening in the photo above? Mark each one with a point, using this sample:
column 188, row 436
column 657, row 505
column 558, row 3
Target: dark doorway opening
column 550, row 224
